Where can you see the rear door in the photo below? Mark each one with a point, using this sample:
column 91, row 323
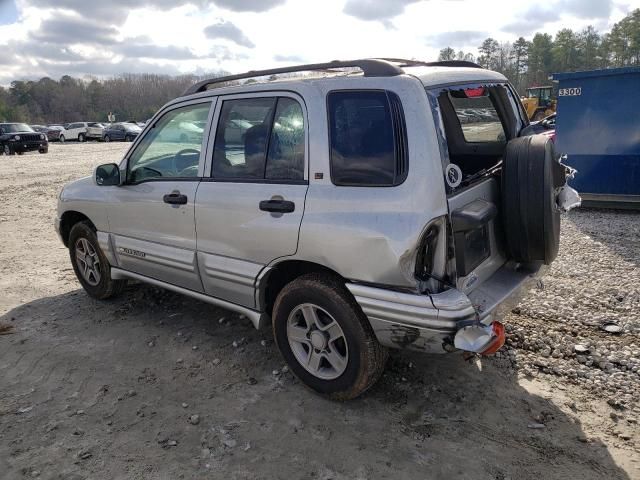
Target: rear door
column 151, row 216
column 249, row 206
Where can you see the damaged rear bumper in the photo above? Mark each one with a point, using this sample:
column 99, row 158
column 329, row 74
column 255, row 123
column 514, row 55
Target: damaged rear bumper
column 430, row 323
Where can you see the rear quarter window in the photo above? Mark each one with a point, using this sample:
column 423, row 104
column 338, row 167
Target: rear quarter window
column 367, row 135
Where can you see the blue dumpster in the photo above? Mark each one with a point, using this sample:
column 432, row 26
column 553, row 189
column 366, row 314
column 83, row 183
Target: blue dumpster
column 598, row 127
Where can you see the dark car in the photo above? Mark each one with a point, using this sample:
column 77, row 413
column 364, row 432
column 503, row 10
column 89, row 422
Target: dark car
column 121, row 131
column 52, row 131
column 19, row 138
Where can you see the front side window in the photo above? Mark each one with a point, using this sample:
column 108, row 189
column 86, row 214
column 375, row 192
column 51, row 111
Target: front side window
column 171, row 148
column 367, row 138
column 260, row 138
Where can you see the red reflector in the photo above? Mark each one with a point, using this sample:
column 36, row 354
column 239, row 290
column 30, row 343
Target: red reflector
column 474, row 92
column 498, row 339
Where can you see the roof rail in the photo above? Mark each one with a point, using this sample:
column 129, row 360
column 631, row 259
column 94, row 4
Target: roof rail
column 371, row 67
column 403, row 62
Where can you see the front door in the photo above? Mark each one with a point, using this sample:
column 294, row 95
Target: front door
column 249, row 209
column 151, row 216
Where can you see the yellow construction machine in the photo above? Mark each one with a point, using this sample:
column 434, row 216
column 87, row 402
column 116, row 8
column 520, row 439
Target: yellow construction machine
column 539, row 102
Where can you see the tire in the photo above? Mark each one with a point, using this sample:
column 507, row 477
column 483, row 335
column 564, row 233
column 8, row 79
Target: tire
column 127, row 138
column 531, row 173
column 99, row 286
column 81, row 137
column 362, row 358
column 107, row 138
column 43, row 150
column 7, row 150
column 20, row 153
column 61, row 138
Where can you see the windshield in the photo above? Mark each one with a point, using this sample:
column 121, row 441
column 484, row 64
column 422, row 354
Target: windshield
column 16, row 128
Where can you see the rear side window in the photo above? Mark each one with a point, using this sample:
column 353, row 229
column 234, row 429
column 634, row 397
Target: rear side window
column 260, row 138
column 368, row 144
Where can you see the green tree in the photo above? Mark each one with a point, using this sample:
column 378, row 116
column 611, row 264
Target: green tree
column 447, row 54
column 488, row 57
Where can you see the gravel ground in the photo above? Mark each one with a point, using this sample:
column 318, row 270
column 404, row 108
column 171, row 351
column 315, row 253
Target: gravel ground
column 153, row 385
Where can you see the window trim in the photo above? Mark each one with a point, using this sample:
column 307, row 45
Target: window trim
column 208, row 172
column 151, row 124
column 398, row 180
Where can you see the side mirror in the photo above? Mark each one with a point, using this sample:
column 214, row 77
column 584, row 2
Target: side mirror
column 107, row 175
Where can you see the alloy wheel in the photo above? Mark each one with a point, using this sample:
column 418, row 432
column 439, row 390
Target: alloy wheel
column 317, row 341
column 88, row 261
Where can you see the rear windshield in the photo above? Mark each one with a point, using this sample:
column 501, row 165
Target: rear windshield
column 479, row 119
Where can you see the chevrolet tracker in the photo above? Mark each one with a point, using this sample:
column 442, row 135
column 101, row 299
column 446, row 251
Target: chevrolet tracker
column 364, row 205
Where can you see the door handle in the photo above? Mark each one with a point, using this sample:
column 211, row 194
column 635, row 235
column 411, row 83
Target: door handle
column 175, row 198
column 277, row 206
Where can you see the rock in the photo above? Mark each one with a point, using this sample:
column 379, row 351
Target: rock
column 285, row 369
column 235, row 344
column 151, row 344
column 263, row 343
column 194, row 419
column 179, row 360
column 131, row 393
column 172, row 443
column 24, row 409
column 216, row 361
column 184, row 405
column 195, row 347
column 536, row 426
column 229, row 442
column 252, row 381
column 221, row 320
column 581, row 349
column 276, row 372
column 84, row 454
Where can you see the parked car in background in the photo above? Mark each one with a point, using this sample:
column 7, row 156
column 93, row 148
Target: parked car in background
column 53, row 132
column 74, row 131
column 121, row 132
column 95, row 131
column 20, row 138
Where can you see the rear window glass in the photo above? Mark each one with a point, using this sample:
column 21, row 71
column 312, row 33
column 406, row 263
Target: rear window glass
column 479, row 119
column 367, row 138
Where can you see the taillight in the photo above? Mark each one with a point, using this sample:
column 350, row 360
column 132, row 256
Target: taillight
column 426, row 253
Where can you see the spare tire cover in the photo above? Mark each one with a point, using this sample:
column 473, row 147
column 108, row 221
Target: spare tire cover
column 531, row 175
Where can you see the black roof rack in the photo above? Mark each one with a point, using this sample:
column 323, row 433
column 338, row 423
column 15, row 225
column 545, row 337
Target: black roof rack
column 371, row 67
column 404, row 62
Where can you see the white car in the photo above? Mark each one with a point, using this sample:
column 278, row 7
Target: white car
column 74, row 131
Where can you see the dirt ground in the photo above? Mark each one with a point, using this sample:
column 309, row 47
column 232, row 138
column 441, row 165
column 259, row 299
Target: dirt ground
column 154, row 385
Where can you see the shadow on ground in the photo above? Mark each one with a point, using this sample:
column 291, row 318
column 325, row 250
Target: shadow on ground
column 110, row 390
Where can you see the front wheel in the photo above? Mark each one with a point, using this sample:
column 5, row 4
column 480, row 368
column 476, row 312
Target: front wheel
column 128, row 138
column 81, row 137
column 325, row 337
column 90, row 264
column 107, row 138
column 61, row 138
column 7, row 150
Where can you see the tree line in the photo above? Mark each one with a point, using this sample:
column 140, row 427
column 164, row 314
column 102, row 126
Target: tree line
column 128, row 97
column 530, row 62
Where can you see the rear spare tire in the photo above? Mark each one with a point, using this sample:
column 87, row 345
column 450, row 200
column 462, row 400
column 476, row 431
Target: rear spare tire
column 531, row 175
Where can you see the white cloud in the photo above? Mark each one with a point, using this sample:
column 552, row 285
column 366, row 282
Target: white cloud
column 53, row 37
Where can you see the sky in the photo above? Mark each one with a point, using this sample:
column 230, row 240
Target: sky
column 103, row 38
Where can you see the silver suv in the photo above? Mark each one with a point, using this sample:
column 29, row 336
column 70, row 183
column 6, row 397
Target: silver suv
column 363, row 205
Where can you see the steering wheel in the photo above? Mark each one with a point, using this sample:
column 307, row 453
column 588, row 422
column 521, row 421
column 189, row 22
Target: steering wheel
column 180, row 154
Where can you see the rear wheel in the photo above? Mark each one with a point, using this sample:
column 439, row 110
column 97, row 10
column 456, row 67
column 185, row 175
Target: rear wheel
column 81, row 137
column 61, row 139
column 90, row 264
column 128, row 138
column 325, row 337
column 107, row 138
